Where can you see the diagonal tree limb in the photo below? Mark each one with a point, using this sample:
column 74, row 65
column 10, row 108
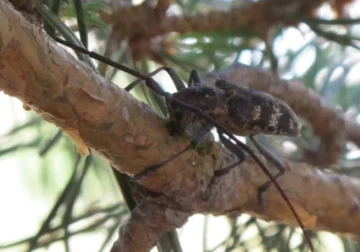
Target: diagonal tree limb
column 145, row 24
column 67, row 93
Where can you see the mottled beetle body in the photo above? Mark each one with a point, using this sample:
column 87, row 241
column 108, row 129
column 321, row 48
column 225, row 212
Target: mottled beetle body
column 240, row 110
column 229, row 108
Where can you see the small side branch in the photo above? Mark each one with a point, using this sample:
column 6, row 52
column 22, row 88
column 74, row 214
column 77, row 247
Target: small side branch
column 131, row 136
column 145, row 226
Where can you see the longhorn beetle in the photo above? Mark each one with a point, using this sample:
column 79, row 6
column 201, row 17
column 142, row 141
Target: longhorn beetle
column 229, row 108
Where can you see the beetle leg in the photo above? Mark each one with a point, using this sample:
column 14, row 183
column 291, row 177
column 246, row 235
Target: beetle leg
column 234, row 149
column 226, row 170
column 174, row 126
column 194, row 78
column 171, row 72
column 139, row 80
column 194, row 143
column 237, row 151
column 151, row 169
column 268, row 155
column 272, row 159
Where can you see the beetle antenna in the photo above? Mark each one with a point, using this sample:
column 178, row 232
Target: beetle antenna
column 254, row 157
column 150, row 83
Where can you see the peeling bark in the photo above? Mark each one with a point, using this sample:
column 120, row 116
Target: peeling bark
column 132, row 137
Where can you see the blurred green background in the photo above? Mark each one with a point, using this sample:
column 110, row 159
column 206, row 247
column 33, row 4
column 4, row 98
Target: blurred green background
column 54, row 200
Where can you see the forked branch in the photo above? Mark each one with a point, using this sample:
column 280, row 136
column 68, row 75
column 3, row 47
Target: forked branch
column 131, row 136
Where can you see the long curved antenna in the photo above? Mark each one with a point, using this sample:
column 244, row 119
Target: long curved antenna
column 102, row 59
column 253, row 156
column 152, row 84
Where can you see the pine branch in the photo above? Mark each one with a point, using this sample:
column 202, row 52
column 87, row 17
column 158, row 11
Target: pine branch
column 145, row 21
column 145, row 26
column 132, row 137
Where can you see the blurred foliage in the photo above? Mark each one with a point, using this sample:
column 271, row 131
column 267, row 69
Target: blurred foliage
column 70, row 195
column 91, row 13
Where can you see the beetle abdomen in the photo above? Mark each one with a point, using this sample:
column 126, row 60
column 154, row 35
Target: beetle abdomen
column 256, row 112
column 262, row 116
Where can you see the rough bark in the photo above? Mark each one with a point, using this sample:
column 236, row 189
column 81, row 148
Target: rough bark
column 147, row 23
column 132, row 137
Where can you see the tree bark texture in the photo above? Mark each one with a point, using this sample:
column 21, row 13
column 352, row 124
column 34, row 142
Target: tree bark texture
column 66, row 92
